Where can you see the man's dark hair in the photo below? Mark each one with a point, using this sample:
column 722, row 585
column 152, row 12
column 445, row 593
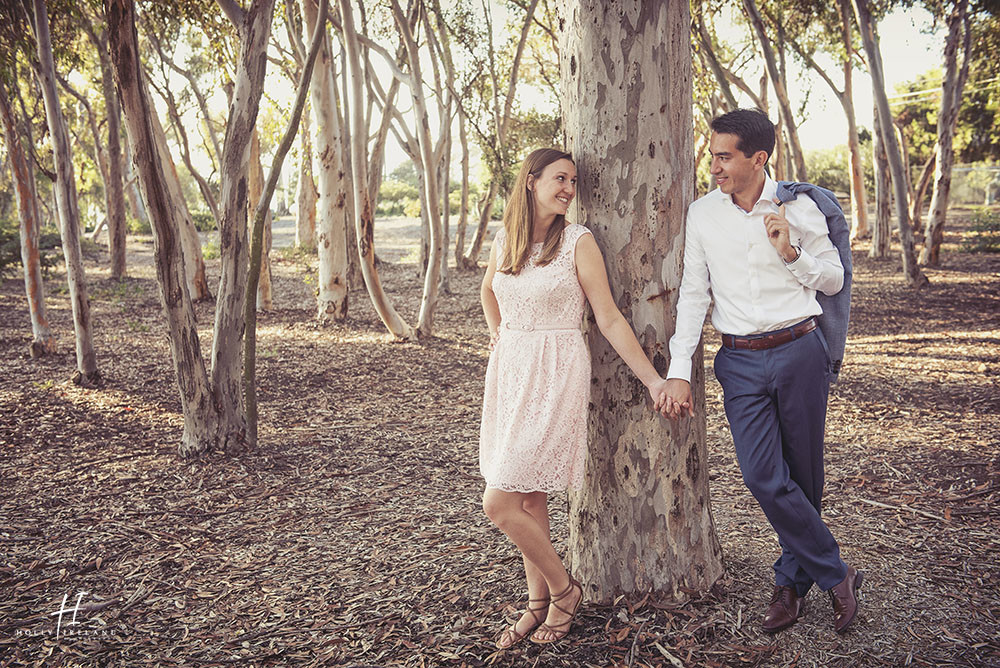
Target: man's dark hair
column 752, row 126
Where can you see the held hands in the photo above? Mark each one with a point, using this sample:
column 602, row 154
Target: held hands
column 778, row 233
column 673, row 398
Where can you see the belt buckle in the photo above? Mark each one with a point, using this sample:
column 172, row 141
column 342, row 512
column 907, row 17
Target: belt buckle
column 759, row 343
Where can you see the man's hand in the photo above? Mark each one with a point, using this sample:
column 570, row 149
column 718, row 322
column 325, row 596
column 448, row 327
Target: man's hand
column 675, row 399
column 778, row 234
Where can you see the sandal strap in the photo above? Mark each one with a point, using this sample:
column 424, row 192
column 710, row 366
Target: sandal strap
column 565, row 592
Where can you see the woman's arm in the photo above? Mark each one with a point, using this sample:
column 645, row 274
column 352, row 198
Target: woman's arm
column 594, row 280
column 491, row 309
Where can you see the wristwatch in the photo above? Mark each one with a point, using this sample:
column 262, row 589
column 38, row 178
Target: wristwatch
column 798, row 254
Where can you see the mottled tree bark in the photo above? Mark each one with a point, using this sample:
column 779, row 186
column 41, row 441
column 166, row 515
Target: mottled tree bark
column 883, row 195
column 951, row 103
column 197, row 402
column 900, row 180
column 194, row 261
column 920, row 192
column 643, row 520
column 254, row 28
column 87, row 373
column 364, row 218
column 255, row 182
column 306, row 195
column 331, row 177
column 42, row 339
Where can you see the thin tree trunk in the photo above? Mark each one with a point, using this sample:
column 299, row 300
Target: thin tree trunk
column 862, row 11
column 43, row 341
column 255, row 183
column 197, row 402
column 330, row 170
column 859, row 199
column 261, row 217
column 951, row 104
column 881, row 236
column 428, row 300
column 471, row 259
column 306, row 195
column 254, row 28
column 643, row 520
column 920, row 193
column 463, row 210
column 194, row 262
column 66, row 200
column 115, row 185
column 132, row 186
column 795, row 148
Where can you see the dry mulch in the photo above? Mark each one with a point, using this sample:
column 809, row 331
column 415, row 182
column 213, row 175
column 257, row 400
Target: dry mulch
column 354, row 537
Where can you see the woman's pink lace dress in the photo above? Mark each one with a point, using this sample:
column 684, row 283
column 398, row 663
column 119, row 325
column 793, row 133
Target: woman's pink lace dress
column 533, row 436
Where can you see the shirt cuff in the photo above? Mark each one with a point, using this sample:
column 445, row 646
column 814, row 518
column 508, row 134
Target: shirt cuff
column 804, row 266
column 679, row 369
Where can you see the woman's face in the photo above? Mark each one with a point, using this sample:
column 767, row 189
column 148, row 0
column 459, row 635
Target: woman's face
column 554, row 188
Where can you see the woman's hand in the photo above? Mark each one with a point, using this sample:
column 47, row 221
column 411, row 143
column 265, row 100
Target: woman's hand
column 494, row 338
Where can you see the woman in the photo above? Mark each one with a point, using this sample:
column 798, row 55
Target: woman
column 533, row 436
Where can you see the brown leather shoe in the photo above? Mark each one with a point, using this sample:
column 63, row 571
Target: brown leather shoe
column 783, row 610
column 845, row 600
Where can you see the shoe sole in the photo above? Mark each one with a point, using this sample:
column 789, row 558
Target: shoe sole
column 858, row 579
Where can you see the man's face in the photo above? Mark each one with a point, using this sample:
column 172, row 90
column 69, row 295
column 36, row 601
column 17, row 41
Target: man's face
column 734, row 173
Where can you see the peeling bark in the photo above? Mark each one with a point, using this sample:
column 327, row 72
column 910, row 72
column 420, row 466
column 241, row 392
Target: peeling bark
column 306, row 195
column 26, row 194
column 881, row 235
column 64, row 188
column 255, row 182
column 862, row 12
column 197, row 402
column 643, row 520
column 331, row 177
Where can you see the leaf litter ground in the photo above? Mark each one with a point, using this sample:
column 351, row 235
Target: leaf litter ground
column 353, row 536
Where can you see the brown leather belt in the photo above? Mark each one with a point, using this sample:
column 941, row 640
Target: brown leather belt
column 769, row 339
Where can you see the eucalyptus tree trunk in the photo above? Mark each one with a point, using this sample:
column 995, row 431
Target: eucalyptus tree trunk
column 254, row 29
column 883, row 195
column 201, row 418
column 795, row 147
column 920, row 193
column 114, row 186
column 87, row 373
column 859, row 199
column 432, row 278
column 255, row 184
column 951, row 104
column 194, row 261
column 862, row 12
column 643, row 520
column 463, row 207
column 42, row 339
column 306, row 195
column 330, row 171
column 364, row 218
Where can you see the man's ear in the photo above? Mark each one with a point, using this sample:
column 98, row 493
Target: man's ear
column 760, row 158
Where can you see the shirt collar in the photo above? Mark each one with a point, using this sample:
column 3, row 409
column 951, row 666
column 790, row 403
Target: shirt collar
column 768, row 194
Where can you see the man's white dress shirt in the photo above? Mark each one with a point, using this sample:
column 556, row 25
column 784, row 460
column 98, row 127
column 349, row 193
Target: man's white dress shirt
column 728, row 258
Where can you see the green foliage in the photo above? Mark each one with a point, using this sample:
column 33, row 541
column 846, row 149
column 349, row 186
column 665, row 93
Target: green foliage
column 137, row 226
column 204, row 221
column 829, row 168
column 395, row 194
column 411, row 208
column 10, row 249
column 984, row 234
column 210, row 249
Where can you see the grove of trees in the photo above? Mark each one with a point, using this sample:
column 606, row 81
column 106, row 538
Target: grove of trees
column 171, row 117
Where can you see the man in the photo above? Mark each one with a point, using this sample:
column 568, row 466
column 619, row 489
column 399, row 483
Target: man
column 762, row 265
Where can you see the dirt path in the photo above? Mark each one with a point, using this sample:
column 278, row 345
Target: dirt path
column 354, row 536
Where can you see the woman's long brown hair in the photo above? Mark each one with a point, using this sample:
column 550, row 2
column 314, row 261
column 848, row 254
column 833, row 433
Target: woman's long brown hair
column 519, row 216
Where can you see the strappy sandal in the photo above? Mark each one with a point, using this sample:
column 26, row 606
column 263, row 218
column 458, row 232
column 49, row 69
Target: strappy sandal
column 560, row 630
column 512, row 633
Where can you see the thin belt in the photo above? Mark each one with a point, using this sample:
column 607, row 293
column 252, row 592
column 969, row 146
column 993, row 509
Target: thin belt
column 528, row 327
column 769, row 340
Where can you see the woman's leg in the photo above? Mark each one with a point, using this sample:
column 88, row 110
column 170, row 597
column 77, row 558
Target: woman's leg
column 507, row 510
column 536, row 504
